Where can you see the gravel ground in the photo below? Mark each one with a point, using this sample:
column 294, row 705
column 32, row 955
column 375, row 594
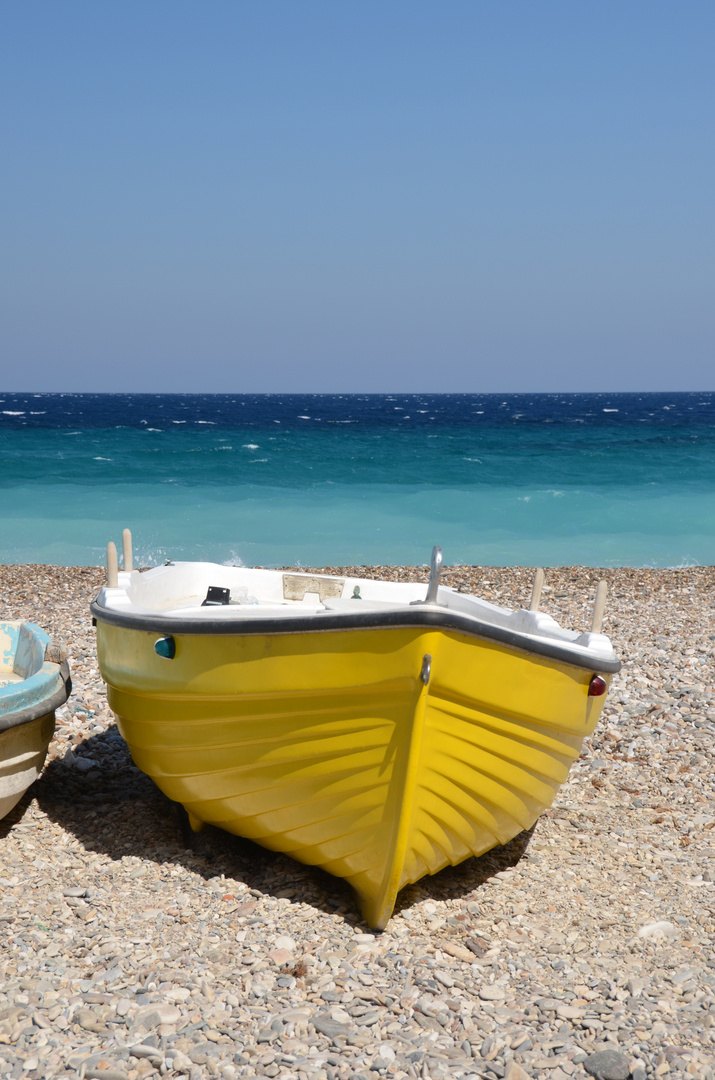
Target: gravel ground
column 585, row 948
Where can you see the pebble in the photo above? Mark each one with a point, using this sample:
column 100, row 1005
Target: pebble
column 658, row 930
column 125, row 954
column 607, row 1065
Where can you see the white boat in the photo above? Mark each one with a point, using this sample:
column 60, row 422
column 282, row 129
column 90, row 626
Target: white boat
column 34, row 681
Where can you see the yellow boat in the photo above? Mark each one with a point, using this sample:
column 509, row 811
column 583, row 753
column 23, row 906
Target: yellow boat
column 362, row 726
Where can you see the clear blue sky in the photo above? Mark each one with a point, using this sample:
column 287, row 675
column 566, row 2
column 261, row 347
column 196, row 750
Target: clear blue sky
column 364, row 195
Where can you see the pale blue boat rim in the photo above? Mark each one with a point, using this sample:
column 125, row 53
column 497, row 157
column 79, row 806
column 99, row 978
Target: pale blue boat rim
column 39, row 693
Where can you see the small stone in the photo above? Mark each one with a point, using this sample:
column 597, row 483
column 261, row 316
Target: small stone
column 548, row 1004
column 569, row 1012
column 144, row 1050
column 329, row 1027
column 657, row 931
column 84, row 764
column 283, row 941
column 489, row 1045
column 89, row 1021
column 458, row 952
column 201, row 1053
column 180, row 1062
column 607, row 1065
column 299, row 1014
column 245, row 908
column 514, row 1071
column 491, row 992
column 281, row 957
column 151, row 1016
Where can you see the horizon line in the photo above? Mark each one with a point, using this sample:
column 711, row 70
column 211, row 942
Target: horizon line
column 345, row 393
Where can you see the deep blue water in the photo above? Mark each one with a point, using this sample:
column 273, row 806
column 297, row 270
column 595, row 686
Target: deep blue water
column 531, row 479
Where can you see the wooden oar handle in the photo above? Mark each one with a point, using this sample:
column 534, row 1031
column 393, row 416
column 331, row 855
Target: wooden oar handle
column 536, row 590
column 127, row 563
column 599, row 607
column 112, row 565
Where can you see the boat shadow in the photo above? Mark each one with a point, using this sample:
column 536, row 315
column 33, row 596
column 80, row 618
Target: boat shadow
column 15, row 816
column 98, row 795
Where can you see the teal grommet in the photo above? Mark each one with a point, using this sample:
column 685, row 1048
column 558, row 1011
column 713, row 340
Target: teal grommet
column 166, row 647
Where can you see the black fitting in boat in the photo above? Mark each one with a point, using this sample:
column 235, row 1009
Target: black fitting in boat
column 216, row 597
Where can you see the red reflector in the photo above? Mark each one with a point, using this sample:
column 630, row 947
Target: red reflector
column 597, row 686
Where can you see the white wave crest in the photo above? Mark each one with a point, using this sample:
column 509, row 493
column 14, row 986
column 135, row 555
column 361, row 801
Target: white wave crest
column 234, row 559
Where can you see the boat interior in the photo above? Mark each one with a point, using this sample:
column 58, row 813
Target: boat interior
column 213, row 591
column 22, row 653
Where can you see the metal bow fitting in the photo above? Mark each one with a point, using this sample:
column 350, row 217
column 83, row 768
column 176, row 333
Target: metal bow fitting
column 435, row 567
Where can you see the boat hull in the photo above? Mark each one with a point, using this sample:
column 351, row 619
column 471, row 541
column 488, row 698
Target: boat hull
column 23, row 751
column 34, row 681
column 379, row 754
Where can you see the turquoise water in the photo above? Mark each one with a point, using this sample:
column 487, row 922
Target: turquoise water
column 599, row 480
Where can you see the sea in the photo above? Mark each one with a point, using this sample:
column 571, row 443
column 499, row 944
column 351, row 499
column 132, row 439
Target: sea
column 602, row 480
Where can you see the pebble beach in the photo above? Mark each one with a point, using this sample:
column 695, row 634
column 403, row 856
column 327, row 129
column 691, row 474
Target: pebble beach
column 130, row 950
